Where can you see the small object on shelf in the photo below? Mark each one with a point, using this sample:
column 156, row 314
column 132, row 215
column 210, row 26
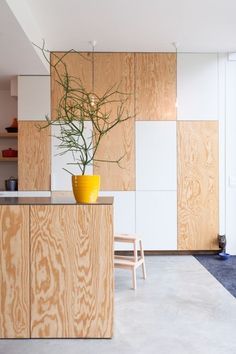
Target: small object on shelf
column 11, row 130
column 11, row 184
column 9, row 153
column 13, row 127
column 14, row 123
column 224, row 255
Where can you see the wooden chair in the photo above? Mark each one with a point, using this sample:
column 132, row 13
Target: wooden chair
column 131, row 262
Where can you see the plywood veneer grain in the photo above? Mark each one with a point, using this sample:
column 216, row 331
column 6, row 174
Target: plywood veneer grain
column 112, row 69
column 72, row 271
column 155, row 94
column 14, row 272
column 198, row 185
column 78, row 65
column 34, row 156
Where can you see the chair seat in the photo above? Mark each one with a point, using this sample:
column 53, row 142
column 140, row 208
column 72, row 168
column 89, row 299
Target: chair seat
column 127, row 262
column 130, row 238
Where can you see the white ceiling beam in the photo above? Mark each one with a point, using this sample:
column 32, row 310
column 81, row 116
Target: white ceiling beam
column 24, row 17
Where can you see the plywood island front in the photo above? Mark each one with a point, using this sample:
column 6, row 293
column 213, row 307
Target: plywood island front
column 56, row 268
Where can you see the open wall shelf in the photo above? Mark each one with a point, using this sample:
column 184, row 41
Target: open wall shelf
column 8, row 159
column 8, row 135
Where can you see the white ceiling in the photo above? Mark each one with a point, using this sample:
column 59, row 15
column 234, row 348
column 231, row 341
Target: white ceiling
column 16, row 53
column 137, row 25
column 116, row 25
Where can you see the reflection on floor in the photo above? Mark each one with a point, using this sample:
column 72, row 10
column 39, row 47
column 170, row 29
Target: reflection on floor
column 223, row 270
column 180, row 308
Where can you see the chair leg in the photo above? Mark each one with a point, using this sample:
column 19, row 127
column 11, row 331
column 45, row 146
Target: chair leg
column 134, row 278
column 142, row 257
column 135, row 260
column 135, row 252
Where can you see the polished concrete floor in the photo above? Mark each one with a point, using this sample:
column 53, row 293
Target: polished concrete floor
column 179, row 309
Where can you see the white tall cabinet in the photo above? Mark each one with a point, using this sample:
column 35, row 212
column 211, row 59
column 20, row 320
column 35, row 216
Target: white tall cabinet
column 156, row 184
column 197, row 86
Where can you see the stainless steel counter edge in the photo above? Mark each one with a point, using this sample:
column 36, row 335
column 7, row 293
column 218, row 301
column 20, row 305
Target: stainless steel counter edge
column 25, row 194
column 51, row 201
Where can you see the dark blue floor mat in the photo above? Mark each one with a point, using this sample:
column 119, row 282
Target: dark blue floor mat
column 223, row 271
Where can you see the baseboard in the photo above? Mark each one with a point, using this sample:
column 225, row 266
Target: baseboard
column 173, row 253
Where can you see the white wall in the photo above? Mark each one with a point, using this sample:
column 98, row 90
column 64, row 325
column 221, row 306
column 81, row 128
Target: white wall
column 33, row 97
column 231, row 156
column 222, row 63
column 8, row 109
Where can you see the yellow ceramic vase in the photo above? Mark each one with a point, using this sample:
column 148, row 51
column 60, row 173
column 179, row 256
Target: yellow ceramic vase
column 86, row 188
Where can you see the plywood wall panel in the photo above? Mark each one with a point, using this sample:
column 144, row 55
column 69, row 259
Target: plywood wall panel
column 155, row 94
column 198, row 185
column 34, row 156
column 14, row 272
column 72, row 271
column 78, row 65
column 112, row 69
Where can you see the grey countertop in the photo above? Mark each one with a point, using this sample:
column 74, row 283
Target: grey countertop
column 50, row 201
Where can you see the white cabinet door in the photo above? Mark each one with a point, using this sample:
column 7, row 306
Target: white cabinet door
column 197, row 86
column 33, row 97
column 156, row 219
column 124, row 215
column 61, row 179
column 156, row 156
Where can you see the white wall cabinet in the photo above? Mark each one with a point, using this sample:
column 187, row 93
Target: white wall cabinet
column 156, row 219
column 60, row 179
column 197, row 86
column 33, row 97
column 156, row 156
column 124, row 215
column 124, row 211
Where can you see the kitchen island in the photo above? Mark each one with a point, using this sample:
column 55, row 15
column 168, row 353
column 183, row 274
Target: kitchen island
column 56, row 274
